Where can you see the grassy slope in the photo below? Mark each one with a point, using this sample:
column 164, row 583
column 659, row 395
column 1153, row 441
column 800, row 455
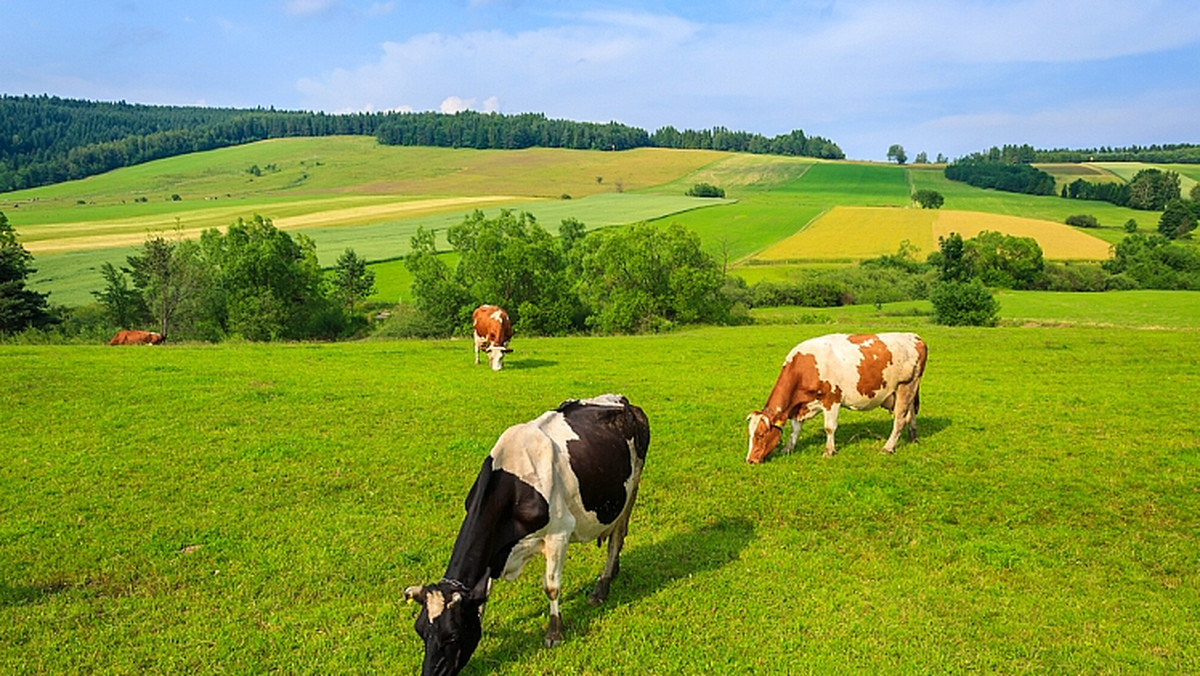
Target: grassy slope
column 251, row 508
column 340, row 181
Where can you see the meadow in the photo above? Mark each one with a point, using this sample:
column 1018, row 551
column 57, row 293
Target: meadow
column 249, row 508
column 349, row 192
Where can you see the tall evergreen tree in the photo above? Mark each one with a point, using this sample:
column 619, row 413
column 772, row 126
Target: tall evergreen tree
column 20, row 308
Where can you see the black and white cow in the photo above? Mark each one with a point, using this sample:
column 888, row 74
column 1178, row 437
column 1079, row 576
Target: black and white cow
column 570, row 475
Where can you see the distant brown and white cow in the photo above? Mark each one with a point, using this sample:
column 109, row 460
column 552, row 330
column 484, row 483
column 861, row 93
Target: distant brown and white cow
column 823, row 374
column 492, row 333
column 130, row 337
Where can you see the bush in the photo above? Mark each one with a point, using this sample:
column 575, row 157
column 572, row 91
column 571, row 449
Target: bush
column 705, row 190
column 1083, row 221
column 964, row 304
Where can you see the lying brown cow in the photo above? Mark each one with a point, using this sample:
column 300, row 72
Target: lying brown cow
column 492, row 333
column 859, row 372
column 131, row 337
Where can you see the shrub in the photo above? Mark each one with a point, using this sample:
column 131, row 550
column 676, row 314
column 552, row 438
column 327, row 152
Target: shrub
column 1083, row 221
column 964, row 304
column 705, row 190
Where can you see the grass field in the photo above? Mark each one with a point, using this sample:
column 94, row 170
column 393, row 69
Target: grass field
column 246, row 508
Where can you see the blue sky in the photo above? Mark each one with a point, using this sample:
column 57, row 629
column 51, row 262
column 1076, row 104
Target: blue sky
column 938, row 76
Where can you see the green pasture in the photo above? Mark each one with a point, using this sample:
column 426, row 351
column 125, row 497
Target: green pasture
column 252, row 508
column 349, row 178
column 1141, row 310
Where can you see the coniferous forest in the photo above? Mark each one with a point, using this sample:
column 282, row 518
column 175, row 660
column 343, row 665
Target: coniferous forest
column 46, row 139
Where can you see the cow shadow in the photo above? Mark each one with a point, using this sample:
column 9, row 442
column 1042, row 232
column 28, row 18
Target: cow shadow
column 522, row 364
column 645, row 570
column 11, row 596
column 812, row 436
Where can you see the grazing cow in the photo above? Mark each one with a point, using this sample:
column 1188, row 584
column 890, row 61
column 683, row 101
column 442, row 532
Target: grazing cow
column 492, row 333
column 824, row 374
column 570, row 475
column 128, row 337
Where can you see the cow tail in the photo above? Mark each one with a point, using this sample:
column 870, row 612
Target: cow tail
column 917, row 402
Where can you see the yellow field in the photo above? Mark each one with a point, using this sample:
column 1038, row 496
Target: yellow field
column 857, row 233
column 1058, row 241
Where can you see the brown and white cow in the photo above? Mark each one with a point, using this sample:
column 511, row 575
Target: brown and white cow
column 492, row 333
column 859, row 372
column 132, row 337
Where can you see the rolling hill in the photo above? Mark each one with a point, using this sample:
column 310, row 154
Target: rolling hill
column 351, row 192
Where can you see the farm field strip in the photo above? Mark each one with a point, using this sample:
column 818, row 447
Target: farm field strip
column 58, row 237
column 863, row 232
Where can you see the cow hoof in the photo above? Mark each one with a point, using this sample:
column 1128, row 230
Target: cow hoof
column 599, row 594
column 887, row 450
column 830, row 454
column 554, row 633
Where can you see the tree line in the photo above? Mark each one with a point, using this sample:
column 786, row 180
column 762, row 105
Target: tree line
column 470, row 129
column 985, row 173
column 1149, row 190
column 45, row 139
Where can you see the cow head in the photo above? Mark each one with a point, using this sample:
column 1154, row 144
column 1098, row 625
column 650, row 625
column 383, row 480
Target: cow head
column 450, row 623
column 496, row 355
column 764, row 437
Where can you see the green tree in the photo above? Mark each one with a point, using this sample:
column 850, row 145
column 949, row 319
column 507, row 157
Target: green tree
column 168, row 275
column 270, row 282
column 123, row 304
column 1004, row 260
column 896, row 154
column 352, row 281
column 1177, row 221
column 442, row 303
column 1153, row 189
column 646, row 277
column 20, row 308
column 929, row 199
column 949, row 261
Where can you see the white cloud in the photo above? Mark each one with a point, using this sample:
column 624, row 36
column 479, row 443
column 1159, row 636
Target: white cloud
column 454, row 104
column 381, row 8
column 308, row 7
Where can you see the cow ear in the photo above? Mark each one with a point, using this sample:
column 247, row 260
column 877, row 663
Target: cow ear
column 415, row 594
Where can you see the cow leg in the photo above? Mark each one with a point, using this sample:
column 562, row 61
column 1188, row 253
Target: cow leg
column 916, row 408
column 902, row 416
column 797, row 424
column 791, row 442
column 477, row 350
column 831, row 416
column 556, row 554
column 616, row 540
